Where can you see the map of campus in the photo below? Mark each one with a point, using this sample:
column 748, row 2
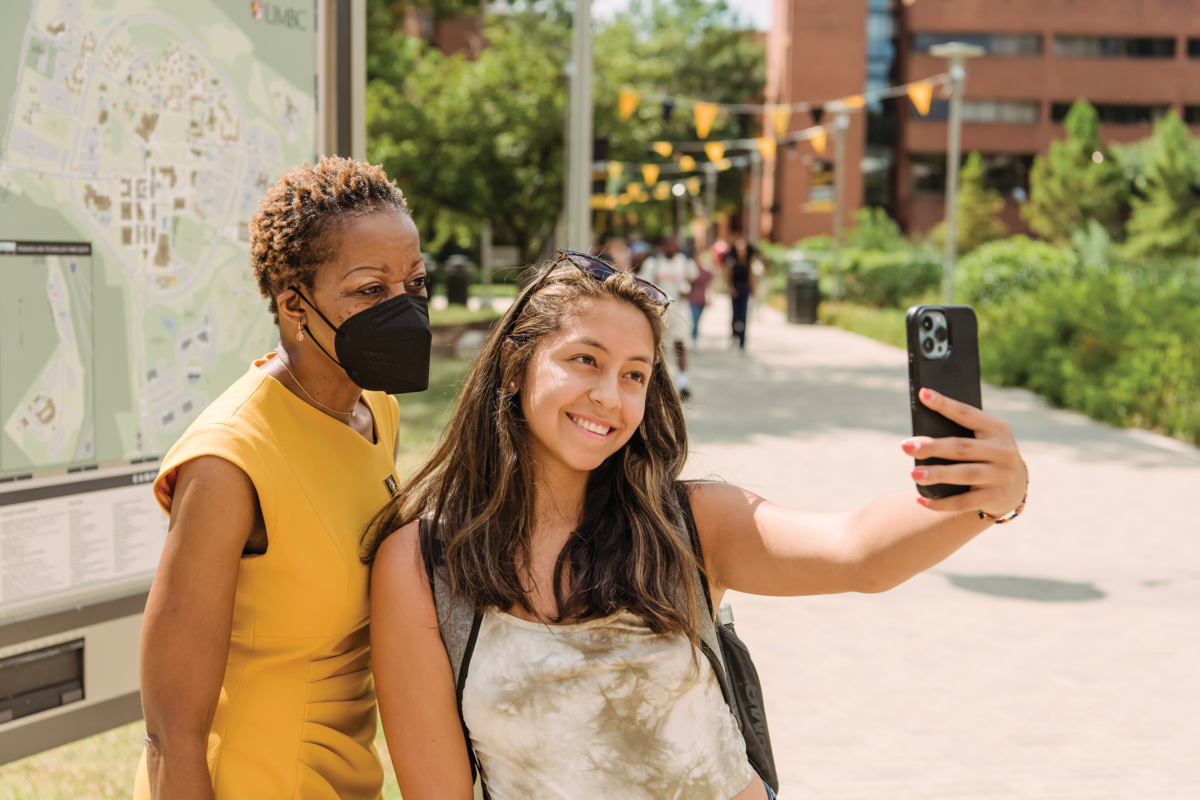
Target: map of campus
column 139, row 137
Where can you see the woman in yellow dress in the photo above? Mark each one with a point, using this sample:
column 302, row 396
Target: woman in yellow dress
column 255, row 659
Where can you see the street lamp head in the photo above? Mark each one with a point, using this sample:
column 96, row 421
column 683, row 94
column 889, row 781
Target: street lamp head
column 957, row 50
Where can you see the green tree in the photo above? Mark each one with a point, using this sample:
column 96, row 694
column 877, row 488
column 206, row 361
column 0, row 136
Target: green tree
column 977, row 206
column 1165, row 222
column 697, row 49
column 470, row 140
column 1076, row 182
column 875, row 230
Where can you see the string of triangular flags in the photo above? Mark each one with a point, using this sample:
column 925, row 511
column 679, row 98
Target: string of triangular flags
column 705, row 113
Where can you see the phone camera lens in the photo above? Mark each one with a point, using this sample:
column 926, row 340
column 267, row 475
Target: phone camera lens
column 940, row 334
column 927, row 345
column 927, row 323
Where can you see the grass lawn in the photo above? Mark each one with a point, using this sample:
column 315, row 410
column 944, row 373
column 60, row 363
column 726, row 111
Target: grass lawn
column 103, row 766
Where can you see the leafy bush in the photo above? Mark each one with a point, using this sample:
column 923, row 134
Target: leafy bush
column 1114, row 343
column 888, row 279
column 998, row 270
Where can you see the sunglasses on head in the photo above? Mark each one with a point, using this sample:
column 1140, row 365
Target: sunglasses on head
column 599, row 269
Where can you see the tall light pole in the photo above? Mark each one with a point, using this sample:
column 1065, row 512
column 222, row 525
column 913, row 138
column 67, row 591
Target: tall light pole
column 754, row 206
column 957, row 53
column 710, row 200
column 579, row 132
column 841, row 123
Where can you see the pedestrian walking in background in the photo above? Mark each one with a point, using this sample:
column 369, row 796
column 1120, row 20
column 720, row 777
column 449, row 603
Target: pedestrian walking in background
column 697, row 295
column 639, row 252
column 739, row 277
column 674, row 272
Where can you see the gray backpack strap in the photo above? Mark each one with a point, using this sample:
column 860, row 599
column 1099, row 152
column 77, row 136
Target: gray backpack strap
column 709, row 637
column 458, row 625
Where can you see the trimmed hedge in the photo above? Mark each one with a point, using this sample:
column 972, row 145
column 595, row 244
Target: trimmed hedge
column 1117, row 342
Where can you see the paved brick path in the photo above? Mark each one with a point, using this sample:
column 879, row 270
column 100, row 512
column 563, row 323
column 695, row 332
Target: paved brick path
column 1057, row 657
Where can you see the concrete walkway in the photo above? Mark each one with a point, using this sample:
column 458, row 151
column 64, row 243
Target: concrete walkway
column 1056, row 657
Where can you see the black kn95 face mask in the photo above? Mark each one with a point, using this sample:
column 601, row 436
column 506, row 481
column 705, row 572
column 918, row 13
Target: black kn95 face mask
column 384, row 348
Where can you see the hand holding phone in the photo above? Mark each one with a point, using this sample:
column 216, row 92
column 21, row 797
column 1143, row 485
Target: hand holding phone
column 965, row 459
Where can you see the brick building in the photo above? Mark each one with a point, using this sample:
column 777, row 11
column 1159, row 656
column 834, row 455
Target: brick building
column 1132, row 59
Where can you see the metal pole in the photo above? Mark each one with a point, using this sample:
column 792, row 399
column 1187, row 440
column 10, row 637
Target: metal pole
column 710, row 201
column 579, row 148
column 841, row 121
column 957, row 53
column 680, row 211
column 485, row 258
column 958, row 75
column 755, row 204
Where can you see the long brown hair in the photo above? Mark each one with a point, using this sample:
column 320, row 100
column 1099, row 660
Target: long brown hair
column 477, row 488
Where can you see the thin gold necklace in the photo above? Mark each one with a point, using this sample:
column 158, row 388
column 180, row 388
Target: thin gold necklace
column 352, row 412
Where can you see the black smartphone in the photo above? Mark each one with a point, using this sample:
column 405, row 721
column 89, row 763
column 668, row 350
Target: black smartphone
column 943, row 355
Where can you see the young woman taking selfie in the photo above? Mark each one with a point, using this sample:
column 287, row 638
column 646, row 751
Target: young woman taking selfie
column 551, row 509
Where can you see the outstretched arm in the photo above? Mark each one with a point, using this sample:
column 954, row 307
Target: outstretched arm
column 757, row 547
column 413, row 678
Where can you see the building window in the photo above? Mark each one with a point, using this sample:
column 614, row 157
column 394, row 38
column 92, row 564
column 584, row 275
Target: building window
column 1116, row 113
column 996, row 44
column 1015, row 112
column 1114, row 46
column 1191, row 115
column 1007, row 173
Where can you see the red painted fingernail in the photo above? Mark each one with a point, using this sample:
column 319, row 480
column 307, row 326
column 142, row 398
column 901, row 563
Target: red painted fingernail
column 919, row 473
column 927, row 394
column 908, row 446
column 923, row 501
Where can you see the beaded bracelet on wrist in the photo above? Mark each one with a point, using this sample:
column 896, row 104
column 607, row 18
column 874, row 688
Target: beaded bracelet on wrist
column 1016, row 512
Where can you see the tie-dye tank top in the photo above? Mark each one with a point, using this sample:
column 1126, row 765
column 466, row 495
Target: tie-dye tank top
column 599, row 709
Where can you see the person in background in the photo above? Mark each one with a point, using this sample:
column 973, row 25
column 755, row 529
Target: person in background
column 697, row 295
column 255, row 652
column 673, row 272
column 640, row 252
column 739, row 277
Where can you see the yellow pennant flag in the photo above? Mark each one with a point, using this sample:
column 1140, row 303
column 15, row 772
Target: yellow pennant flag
column 706, row 115
column 687, row 163
column 854, row 102
column 664, row 149
column 714, row 150
column 650, row 173
column 724, row 164
column 627, row 100
column 921, row 94
column 819, row 139
column 766, row 146
column 615, row 168
column 693, row 185
column 662, row 191
column 781, row 118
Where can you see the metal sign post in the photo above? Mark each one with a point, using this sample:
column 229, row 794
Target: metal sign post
column 841, row 122
column 957, row 53
column 579, row 132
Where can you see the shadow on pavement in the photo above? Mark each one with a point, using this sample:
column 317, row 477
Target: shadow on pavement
column 1042, row 590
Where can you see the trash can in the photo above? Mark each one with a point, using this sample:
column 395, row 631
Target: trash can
column 459, row 271
column 431, row 273
column 803, row 294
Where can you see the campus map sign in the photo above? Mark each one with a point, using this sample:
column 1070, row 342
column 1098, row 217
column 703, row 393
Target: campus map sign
column 138, row 137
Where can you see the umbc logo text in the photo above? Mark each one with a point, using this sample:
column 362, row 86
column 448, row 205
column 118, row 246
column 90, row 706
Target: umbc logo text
column 273, row 14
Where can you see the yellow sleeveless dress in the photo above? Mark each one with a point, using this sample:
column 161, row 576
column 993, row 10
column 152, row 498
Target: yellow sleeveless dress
column 296, row 716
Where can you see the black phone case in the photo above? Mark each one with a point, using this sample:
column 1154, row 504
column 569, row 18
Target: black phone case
column 955, row 376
